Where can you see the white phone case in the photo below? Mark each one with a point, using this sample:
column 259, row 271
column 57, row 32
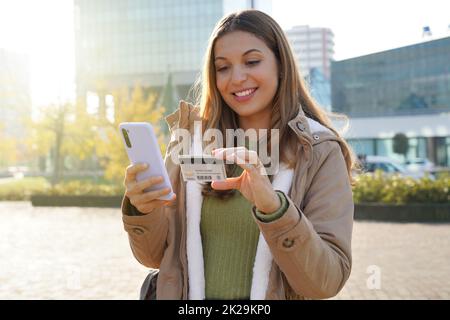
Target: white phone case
column 143, row 148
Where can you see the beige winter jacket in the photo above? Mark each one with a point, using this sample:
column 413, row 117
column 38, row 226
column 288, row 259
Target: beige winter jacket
column 306, row 254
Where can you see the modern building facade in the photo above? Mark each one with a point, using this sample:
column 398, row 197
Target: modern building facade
column 320, row 88
column 404, row 81
column 15, row 92
column 125, row 43
column 313, row 47
column 428, row 136
column 404, row 90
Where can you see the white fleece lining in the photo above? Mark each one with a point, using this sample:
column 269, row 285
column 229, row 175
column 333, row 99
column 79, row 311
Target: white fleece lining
column 196, row 272
column 315, row 126
column 263, row 259
column 194, row 245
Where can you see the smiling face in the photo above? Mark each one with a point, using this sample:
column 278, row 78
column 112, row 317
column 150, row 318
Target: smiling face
column 246, row 74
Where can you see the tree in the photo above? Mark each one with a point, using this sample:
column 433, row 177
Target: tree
column 69, row 132
column 8, row 149
column 168, row 98
column 63, row 133
column 47, row 135
column 401, row 144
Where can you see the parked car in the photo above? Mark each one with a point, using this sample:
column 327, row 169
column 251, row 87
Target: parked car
column 420, row 165
column 18, row 172
column 389, row 166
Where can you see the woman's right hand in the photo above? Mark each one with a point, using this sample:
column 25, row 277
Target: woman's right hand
column 145, row 202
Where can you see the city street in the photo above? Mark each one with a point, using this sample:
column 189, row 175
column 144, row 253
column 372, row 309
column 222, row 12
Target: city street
column 83, row 253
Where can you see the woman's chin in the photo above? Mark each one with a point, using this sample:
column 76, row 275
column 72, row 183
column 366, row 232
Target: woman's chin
column 245, row 111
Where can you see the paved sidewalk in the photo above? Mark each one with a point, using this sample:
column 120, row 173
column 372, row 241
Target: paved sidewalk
column 83, row 253
column 411, row 259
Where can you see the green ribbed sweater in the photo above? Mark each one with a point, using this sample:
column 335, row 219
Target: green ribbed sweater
column 230, row 238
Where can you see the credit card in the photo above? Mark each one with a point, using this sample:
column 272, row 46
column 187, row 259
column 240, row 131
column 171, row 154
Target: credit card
column 202, row 168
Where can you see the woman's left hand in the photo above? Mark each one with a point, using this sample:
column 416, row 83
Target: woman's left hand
column 253, row 183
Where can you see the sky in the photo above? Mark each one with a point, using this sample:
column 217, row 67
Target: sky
column 44, row 31
column 366, row 26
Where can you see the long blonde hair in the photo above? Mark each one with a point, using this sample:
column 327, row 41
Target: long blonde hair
column 292, row 91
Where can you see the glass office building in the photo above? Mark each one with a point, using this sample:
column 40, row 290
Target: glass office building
column 127, row 42
column 404, row 81
column 319, row 86
column 404, row 90
column 428, row 136
column 124, row 43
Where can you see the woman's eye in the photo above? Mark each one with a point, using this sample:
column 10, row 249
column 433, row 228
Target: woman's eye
column 221, row 69
column 253, row 62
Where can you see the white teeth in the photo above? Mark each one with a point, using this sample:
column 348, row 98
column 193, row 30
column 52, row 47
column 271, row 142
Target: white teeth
column 244, row 93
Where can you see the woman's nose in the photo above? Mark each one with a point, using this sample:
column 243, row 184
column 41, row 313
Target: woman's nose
column 238, row 75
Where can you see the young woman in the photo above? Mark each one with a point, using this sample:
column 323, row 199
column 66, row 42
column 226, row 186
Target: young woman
column 252, row 236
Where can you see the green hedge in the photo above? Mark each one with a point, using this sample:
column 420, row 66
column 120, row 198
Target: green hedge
column 22, row 189
column 81, row 188
column 377, row 187
column 394, row 189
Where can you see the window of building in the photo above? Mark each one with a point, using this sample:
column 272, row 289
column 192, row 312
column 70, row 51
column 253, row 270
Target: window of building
column 442, row 151
column 362, row 146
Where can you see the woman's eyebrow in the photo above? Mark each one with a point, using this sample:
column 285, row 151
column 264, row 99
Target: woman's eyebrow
column 250, row 51
column 245, row 53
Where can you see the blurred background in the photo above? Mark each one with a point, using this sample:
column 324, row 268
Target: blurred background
column 72, row 70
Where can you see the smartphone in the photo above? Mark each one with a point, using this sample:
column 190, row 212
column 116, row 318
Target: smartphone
column 142, row 147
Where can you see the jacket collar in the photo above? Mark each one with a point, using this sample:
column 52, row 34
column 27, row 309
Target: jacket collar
column 183, row 117
column 309, row 130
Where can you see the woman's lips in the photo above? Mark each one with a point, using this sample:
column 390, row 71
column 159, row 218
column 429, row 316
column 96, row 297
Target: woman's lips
column 248, row 94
